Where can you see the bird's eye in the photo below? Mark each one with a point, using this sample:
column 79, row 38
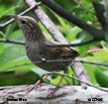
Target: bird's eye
column 23, row 22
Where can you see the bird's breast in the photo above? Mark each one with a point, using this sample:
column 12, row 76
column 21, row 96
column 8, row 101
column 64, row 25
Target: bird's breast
column 33, row 51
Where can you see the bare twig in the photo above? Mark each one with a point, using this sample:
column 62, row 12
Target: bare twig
column 75, row 20
column 24, row 12
column 54, row 60
column 75, row 78
column 72, row 45
column 50, row 45
column 12, row 42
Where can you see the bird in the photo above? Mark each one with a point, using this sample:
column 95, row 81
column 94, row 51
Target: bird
column 36, row 46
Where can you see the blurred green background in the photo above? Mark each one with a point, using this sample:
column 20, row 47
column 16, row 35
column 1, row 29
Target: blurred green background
column 12, row 54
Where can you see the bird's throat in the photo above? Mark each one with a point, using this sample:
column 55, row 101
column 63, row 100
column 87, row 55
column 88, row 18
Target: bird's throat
column 33, row 36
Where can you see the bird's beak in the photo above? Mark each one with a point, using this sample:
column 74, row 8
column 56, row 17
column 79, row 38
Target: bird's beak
column 13, row 16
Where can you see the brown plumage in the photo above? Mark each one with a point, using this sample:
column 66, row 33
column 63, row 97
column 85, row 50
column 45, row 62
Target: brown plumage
column 36, row 45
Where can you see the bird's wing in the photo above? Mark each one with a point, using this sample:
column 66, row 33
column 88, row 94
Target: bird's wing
column 59, row 52
column 62, row 52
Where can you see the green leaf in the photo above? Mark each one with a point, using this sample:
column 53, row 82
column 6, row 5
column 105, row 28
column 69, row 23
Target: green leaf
column 98, row 56
column 9, row 30
column 83, row 38
column 67, row 4
column 8, row 11
column 106, row 37
column 66, row 80
column 1, row 34
column 17, row 78
column 90, row 70
column 101, row 74
column 73, row 34
column 106, row 4
column 2, row 46
column 18, row 65
column 62, row 22
column 57, row 79
column 96, row 1
column 44, row 30
column 17, row 35
column 40, row 72
column 14, row 55
column 12, row 52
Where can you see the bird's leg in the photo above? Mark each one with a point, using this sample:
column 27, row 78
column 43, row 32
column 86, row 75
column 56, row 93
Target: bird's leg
column 57, row 87
column 61, row 80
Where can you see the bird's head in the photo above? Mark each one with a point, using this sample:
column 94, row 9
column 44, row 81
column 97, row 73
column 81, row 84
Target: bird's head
column 29, row 27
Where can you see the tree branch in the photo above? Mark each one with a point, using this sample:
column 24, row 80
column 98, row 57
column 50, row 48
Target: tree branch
column 72, row 45
column 73, row 77
column 100, row 9
column 97, row 34
column 64, row 95
column 24, row 12
column 12, row 42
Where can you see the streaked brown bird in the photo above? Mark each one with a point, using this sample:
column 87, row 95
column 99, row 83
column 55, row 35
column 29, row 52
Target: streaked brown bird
column 36, row 45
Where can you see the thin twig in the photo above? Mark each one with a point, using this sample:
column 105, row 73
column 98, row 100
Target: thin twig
column 75, row 78
column 54, row 60
column 72, row 45
column 12, row 42
column 24, row 12
column 50, row 45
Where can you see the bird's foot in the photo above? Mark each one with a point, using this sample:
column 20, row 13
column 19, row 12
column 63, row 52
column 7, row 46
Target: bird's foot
column 54, row 90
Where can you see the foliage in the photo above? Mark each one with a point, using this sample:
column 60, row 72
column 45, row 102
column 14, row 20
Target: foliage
column 11, row 54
